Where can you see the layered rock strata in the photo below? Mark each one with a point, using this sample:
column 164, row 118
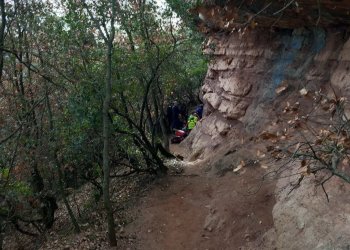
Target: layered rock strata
column 253, row 55
column 246, row 69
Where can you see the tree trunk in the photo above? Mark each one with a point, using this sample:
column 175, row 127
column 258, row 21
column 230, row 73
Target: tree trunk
column 1, row 233
column 160, row 116
column 65, row 200
column 2, row 35
column 58, row 166
column 106, row 136
column 165, row 136
column 108, row 39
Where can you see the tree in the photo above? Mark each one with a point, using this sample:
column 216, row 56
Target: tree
column 108, row 37
column 2, row 35
column 57, row 114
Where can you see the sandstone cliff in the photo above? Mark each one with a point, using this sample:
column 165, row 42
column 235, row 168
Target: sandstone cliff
column 256, row 48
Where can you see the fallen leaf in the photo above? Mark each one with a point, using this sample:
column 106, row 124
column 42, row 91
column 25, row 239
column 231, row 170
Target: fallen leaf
column 267, row 135
column 239, row 167
column 303, row 163
column 281, row 88
column 303, row 92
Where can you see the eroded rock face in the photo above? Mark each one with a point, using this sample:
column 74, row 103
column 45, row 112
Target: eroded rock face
column 235, row 86
column 240, row 98
column 246, row 70
column 306, row 215
column 236, row 14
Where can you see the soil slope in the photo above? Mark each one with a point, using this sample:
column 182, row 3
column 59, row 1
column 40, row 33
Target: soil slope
column 198, row 211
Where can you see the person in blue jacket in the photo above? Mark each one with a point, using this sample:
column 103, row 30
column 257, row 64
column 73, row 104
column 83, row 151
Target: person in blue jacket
column 199, row 111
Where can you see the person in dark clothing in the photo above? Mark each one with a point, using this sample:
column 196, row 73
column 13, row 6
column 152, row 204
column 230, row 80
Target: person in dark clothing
column 183, row 111
column 169, row 115
column 199, row 111
column 176, row 123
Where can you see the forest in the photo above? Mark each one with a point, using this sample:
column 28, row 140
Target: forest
column 84, row 87
column 174, row 124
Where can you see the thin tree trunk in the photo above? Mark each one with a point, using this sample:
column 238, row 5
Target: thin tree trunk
column 1, row 233
column 160, row 117
column 65, row 200
column 165, row 136
column 106, row 121
column 2, row 35
column 106, row 136
column 59, row 170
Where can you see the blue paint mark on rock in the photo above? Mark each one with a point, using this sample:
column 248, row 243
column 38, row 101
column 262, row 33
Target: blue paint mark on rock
column 319, row 41
column 291, row 46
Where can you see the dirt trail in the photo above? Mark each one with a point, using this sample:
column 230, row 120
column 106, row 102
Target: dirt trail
column 203, row 212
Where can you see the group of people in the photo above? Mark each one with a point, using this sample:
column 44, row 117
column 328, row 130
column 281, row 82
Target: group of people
column 180, row 122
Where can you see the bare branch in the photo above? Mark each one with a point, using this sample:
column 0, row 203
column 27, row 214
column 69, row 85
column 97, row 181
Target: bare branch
column 323, row 188
column 285, row 7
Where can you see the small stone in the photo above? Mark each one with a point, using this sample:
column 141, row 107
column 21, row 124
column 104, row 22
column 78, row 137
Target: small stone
column 304, row 92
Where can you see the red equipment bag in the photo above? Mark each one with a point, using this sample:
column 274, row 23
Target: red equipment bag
column 180, row 133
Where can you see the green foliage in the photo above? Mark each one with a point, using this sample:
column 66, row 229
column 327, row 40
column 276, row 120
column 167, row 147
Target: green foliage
column 182, row 8
column 19, row 188
column 4, row 173
column 56, row 89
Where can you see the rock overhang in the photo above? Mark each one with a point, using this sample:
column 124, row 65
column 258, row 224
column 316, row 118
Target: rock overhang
column 230, row 15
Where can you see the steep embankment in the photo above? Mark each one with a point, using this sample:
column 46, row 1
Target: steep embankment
column 257, row 48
